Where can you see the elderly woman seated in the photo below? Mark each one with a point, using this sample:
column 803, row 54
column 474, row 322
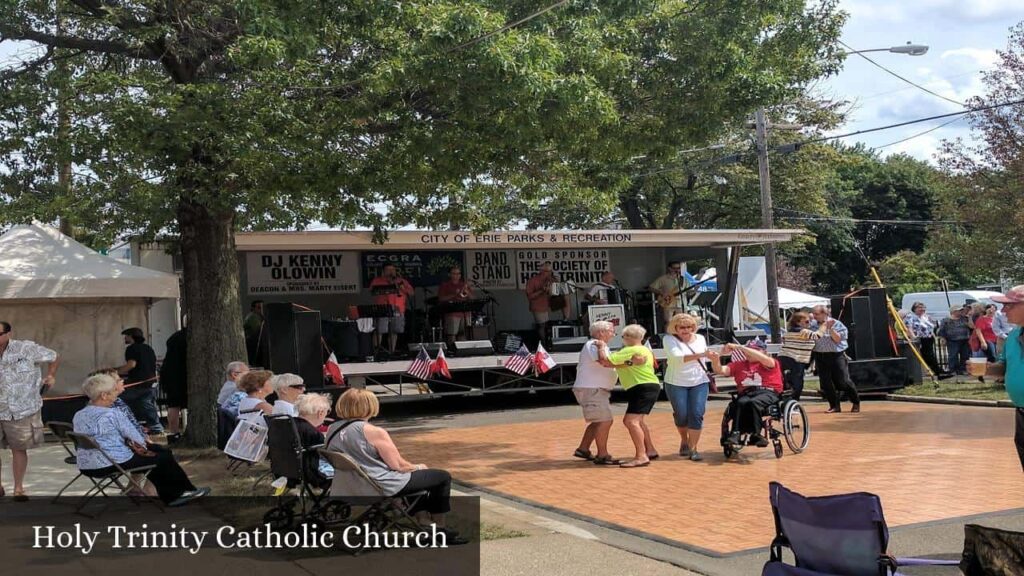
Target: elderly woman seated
column 311, row 411
column 251, row 398
column 288, row 387
column 125, row 445
column 373, row 450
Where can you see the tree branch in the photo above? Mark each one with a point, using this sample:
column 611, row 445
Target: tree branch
column 75, row 43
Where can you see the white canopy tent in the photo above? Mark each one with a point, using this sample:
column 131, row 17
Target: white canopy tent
column 795, row 299
column 74, row 300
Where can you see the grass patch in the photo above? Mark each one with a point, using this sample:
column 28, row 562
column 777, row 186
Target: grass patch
column 490, row 531
column 966, row 390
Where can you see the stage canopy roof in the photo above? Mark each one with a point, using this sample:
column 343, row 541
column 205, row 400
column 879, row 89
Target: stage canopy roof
column 796, row 299
column 38, row 262
column 505, row 239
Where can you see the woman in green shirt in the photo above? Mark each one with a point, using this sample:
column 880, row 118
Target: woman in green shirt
column 642, row 389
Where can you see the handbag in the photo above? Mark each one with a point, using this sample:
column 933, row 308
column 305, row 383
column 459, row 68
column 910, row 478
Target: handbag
column 712, row 384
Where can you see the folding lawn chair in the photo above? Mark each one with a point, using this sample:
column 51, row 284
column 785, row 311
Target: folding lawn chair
column 60, row 430
column 383, row 513
column 120, row 477
column 840, row 535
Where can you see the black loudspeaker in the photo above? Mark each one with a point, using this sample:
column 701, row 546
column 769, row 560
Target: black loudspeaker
column 342, row 337
column 294, row 342
column 569, row 344
column 855, row 313
column 879, row 375
column 880, row 322
column 474, row 348
column 431, row 347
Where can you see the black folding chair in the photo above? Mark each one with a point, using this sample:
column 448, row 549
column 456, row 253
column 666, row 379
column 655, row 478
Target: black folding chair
column 121, row 477
column 61, row 430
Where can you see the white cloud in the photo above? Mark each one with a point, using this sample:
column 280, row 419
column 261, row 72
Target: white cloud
column 973, row 10
column 874, row 10
column 981, row 57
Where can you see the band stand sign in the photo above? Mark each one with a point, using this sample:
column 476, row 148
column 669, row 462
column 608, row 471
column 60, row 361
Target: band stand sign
column 614, row 313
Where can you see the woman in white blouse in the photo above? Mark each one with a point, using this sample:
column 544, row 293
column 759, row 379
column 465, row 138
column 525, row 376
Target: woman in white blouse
column 923, row 328
column 686, row 381
column 288, row 388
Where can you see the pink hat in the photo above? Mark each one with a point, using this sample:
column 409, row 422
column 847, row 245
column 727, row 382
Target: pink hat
column 1012, row 296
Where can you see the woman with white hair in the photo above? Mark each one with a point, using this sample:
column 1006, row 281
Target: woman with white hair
column 124, row 444
column 311, row 410
column 288, row 388
column 593, row 391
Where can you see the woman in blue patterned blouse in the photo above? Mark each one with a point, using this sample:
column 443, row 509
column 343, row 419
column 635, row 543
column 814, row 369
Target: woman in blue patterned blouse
column 923, row 328
column 123, row 443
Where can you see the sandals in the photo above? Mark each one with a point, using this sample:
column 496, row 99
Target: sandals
column 855, row 409
column 635, row 464
column 20, row 497
column 684, row 451
column 584, row 454
column 606, row 461
column 653, row 456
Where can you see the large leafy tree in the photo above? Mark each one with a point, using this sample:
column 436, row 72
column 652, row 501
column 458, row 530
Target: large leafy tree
column 199, row 118
column 986, row 191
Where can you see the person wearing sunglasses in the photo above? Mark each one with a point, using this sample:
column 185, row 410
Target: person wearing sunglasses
column 1011, row 361
column 21, row 388
column 288, row 388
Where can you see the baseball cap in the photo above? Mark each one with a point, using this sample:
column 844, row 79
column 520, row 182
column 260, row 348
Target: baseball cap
column 956, row 308
column 757, row 344
column 1013, row 296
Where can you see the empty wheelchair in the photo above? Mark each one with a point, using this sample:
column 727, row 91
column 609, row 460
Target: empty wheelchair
column 785, row 419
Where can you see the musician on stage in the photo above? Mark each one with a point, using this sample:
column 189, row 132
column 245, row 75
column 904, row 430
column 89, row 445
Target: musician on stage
column 539, row 292
column 400, row 290
column 455, row 289
column 598, row 293
column 667, row 290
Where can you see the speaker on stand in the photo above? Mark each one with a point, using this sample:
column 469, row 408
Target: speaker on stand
column 294, row 342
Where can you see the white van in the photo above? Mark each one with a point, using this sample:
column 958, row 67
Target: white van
column 938, row 306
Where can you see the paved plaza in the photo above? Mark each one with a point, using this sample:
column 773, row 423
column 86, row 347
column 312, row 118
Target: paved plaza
column 928, row 463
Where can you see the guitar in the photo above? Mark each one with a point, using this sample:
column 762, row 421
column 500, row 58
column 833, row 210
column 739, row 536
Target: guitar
column 669, row 299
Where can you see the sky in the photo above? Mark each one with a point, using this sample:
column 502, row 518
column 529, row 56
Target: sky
column 963, row 37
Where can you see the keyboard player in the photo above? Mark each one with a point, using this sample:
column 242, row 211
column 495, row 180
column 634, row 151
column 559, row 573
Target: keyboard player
column 455, row 289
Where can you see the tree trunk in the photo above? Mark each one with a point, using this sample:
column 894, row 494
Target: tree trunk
column 214, row 311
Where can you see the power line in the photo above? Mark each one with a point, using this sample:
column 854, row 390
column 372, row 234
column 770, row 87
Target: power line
column 919, row 134
column 887, row 92
column 908, row 81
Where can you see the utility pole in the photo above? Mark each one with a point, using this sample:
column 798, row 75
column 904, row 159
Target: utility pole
column 63, row 135
column 767, row 222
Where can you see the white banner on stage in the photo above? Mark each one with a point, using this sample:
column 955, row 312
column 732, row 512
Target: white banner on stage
column 491, row 269
column 302, row 272
column 583, row 266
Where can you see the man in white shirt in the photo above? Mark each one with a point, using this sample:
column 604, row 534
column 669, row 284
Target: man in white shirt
column 593, row 390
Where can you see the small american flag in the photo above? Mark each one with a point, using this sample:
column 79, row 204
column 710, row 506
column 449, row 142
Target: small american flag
column 421, row 366
column 737, row 355
column 521, row 361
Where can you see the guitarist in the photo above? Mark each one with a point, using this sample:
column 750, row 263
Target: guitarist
column 667, row 289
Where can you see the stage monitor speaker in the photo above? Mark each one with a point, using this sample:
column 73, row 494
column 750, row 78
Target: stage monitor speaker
column 474, row 348
column 879, row 374
column 568, row 344
column 855, row 313
column 431, row 347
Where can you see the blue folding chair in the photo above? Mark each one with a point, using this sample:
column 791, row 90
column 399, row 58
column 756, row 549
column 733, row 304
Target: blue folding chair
column 840, row 535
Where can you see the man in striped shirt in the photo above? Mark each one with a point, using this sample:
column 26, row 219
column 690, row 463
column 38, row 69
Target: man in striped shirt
column 830, row 357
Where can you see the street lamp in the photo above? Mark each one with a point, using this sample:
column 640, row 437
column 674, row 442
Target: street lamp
column 767, row 221
column 908, row 49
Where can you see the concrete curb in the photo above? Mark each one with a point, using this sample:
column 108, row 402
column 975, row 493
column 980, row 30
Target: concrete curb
column 950, row 401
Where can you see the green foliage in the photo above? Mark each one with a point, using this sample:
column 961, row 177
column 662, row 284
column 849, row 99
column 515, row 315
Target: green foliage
column 906, row 272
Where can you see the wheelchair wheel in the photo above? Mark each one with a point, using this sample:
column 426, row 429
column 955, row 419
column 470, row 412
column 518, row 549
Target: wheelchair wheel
column 279, row 518
column 729, row 451
column 795, row 427
column 778, row 448
column 334, row 512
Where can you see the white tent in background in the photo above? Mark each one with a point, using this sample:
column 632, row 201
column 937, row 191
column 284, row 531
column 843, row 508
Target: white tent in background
column 795, row 299
column 65, row 296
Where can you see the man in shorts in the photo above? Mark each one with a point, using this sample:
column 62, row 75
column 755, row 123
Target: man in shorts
column 21, row 401
column 394, row 291
column 593, row 390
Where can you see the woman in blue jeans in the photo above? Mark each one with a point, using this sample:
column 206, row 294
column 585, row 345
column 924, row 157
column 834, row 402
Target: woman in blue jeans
column 686, row 381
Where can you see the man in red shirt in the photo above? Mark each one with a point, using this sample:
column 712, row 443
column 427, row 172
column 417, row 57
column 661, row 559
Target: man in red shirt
column 455, row 289
column 395, row 292
column 758, row 385
column 538, row 291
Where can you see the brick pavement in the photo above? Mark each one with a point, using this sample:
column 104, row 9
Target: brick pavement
column 927, row 462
